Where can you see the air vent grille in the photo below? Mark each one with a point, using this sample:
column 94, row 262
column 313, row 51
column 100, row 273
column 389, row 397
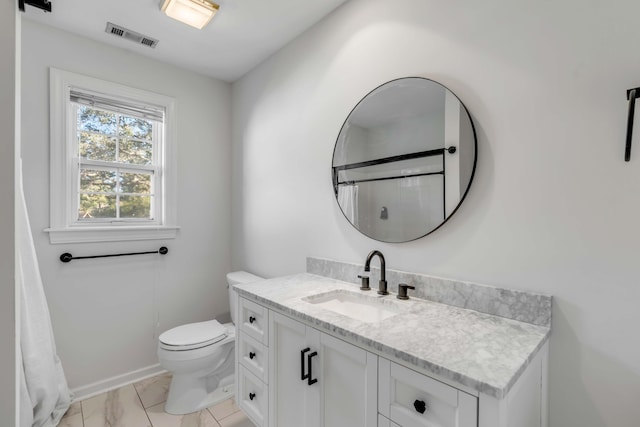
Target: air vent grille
column 148, row 42
column 130, row 35
column 117, row 31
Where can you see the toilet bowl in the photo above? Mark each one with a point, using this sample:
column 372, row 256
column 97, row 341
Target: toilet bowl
column 201, row 357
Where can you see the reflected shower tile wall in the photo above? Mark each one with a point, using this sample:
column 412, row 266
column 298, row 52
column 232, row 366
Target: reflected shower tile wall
column 518, row 305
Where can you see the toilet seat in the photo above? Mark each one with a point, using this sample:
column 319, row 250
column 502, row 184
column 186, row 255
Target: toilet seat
column 192, row 336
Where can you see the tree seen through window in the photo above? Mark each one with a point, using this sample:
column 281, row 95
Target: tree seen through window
column 116, row 158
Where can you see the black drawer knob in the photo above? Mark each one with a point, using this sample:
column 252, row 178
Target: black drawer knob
column 251, row 355
column 252, row 396
column 252, row 319
column 420, row 406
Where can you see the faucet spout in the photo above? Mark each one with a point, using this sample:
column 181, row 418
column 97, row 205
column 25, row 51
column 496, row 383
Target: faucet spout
column 382, row 288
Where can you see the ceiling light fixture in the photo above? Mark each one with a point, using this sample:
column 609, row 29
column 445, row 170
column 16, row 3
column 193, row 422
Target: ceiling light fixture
column 196, row 13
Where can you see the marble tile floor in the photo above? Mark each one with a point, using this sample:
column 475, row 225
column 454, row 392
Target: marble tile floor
column 142, row 405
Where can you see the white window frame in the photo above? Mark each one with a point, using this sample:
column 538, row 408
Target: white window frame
column 64, row 226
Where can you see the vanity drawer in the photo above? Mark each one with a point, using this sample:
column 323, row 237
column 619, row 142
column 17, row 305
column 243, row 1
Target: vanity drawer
column 252, row 397
column 254, row 321
column 411, row 399
column 254, row 356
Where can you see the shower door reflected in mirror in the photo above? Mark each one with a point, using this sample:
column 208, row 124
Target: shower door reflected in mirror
column 404, row 160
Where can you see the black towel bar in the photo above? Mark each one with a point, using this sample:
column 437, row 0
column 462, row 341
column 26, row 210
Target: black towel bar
column 67, row 257
column 632, row 94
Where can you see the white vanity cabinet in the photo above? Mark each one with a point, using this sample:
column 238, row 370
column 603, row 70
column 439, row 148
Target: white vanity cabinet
column 290, row 374
column 316, row 380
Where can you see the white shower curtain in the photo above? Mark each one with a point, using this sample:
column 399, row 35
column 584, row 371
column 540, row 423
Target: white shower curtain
column 44, row 394
column 348, row 201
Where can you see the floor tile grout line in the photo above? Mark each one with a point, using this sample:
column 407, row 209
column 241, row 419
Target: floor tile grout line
column 146, row 414
column 226, row 416
column 215, row 420
column 213, row 416
column 81, row 413
column 151, row 405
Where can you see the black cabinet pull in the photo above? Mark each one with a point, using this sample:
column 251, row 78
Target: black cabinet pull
column 420, row 406
column 251, row 396
column 251, row 355
column 303, row 376
column 252, row 319
column 310, row 380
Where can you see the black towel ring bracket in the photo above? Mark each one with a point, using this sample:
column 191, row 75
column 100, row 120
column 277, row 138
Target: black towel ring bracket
column 632, row 95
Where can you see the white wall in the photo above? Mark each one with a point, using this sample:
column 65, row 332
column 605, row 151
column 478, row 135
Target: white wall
column 103, row 311
column 9, row 69
column 554, row 208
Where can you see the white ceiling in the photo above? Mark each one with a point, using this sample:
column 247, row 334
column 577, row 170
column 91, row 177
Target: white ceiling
column 241, row 35
column 399, row 100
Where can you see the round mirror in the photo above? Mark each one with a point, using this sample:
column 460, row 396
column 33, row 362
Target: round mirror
column 404, row 160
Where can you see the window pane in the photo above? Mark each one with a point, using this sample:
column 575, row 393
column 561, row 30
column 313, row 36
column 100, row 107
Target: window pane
column 93, row 181
column 99, row 121
column 136, row 152
column 135, row 207
column 135, row 183
column 135, row 128
column 97, row 147
column 97, row 206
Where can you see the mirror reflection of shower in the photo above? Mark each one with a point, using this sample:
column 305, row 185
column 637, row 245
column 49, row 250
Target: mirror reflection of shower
column 408, row 147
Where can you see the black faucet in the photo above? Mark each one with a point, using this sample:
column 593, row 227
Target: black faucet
column 382, row 288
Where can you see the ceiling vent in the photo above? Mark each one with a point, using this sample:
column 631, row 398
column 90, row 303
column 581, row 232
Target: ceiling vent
column 125, row 33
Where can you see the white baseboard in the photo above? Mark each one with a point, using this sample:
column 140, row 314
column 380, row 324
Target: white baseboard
column 93, row 389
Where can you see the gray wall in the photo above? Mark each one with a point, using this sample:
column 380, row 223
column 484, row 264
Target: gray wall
column 104, row 311
column 9, row 129
column 554, row 208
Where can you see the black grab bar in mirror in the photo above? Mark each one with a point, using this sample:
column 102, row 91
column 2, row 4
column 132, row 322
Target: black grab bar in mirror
column 67, row 257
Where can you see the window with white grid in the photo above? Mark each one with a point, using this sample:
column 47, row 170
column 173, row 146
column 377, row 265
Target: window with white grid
column 112, row 161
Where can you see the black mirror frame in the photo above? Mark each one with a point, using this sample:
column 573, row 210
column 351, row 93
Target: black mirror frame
column 471, row 177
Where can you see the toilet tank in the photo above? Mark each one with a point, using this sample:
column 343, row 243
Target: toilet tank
column 235, row 278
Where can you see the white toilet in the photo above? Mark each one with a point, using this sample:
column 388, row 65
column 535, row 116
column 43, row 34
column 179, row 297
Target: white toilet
column 201, row 357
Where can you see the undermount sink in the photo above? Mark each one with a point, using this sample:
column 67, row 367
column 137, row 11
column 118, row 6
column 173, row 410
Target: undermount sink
column 358, row 306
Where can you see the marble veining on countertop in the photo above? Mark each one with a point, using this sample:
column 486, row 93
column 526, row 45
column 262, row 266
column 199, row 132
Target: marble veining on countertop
column 513, row 304
column 481, row 351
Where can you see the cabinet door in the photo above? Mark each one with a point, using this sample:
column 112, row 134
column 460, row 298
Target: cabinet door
column 348, row 379
column 293, row 402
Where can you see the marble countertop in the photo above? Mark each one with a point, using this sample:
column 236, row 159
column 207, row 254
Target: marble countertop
column 484, row 352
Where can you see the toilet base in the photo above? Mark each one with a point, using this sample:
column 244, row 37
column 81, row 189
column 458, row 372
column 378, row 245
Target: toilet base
column 184, row 399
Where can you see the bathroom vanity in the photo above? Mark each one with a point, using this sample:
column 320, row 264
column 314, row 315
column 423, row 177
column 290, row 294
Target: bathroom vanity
column 316, row 351
column 319, row 350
